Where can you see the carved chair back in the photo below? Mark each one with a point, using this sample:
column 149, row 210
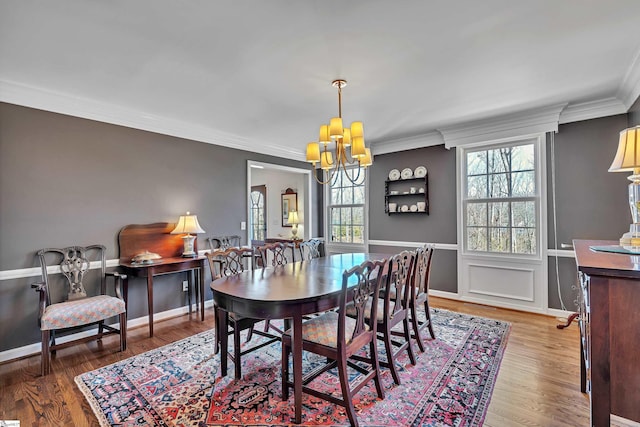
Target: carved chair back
column 229, row 261
column 224, row 242
column 274, row 254
column 310, row 249
column 74, row 263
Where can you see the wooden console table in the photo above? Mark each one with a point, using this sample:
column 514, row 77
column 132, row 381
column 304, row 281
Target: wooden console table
column 609, row 331
column 137, row 238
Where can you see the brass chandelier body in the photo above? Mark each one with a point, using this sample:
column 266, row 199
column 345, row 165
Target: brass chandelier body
column 349, row 148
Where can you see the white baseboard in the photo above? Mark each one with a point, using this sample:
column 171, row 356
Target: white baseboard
column 34, row 349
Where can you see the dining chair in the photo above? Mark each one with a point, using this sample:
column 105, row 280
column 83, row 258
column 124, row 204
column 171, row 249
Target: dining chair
column 394, row 311
column 310, row 249
column 274, row 254
column 227, row 263
column 78, row 298
column 420, row 294
column 338, row 338
column 223, row 242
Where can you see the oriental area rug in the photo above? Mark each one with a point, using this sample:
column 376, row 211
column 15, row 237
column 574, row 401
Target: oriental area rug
column 180, row 385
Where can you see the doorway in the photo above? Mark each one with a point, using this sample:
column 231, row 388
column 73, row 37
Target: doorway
column 269, row 182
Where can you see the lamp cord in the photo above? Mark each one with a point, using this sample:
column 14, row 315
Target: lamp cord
column 555, row 215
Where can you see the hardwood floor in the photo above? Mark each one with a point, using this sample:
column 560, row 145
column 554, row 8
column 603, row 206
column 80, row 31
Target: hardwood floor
column 538, row 383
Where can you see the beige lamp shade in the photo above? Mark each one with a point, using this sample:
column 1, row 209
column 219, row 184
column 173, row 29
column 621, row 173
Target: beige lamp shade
column 628, row 155
column 293, row 218
column 326, row 160
column 346, row 137
column 366, row 160
column 357, row 130
column 335, row 128
column 324, row 135
column 357, row 146
column 188, row 224
column 313, row 152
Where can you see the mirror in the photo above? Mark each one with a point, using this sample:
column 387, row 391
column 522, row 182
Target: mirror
column 289, row 203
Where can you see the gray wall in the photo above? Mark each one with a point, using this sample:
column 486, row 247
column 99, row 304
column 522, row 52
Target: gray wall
column 437, row 227
column 66, row 181
column 70, row 181
column 591, row 202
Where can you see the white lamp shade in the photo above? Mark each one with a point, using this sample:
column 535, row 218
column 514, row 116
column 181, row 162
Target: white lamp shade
column 357, row 146
column 366, row 160
column 628, row 155
column 313, row 152
column 346, row 137
column 293, row 218
column 188, row 224
column 326, row 160
column 335, row 128
column 324, row 134
column 357, row 130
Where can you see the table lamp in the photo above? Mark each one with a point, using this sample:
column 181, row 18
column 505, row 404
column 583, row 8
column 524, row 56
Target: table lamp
column 188, row 224
column 628, row 160
column 294, row 221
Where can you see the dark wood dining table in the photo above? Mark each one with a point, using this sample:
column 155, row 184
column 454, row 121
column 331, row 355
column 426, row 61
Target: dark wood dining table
column 290, row 291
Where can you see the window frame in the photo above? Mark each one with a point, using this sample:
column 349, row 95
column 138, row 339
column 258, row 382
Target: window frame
column 537, row 141
column 347, row 246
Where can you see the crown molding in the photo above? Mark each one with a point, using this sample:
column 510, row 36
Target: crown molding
column 409, row 143
column 538, row 120
column 29, row 96
column 629, row 90
column 592, row 110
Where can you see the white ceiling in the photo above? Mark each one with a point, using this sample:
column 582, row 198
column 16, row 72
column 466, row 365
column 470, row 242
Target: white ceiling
column 256, row 74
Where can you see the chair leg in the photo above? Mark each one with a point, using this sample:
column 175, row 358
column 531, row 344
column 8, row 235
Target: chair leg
column 100, row 330
column 236, row 352
column 286, row 350
column 389, row 349
column 427, row 314
column 416, row 327
column 346, row 391
column 123, row 331
column 250, row 333
column 373, row 351
column 45, row 364
column 407, row 337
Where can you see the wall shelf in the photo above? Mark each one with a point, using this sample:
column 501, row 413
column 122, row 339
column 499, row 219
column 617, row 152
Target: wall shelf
column 399, row 192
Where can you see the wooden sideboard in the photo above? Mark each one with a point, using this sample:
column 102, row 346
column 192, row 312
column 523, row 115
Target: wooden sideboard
column 610, row 331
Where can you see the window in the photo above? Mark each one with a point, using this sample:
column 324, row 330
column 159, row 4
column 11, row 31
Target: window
column 258, row 221
column 346, row 207
column 501, row 199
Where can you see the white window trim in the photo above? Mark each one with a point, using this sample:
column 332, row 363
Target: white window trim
column 339, row 247
column 539, row 142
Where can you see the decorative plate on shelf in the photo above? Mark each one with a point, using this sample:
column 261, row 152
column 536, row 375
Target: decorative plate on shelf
column 394, row 174
column 420, row 172
column 406, row 173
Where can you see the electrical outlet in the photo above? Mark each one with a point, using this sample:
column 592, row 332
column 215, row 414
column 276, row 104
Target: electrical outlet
column 185, row 285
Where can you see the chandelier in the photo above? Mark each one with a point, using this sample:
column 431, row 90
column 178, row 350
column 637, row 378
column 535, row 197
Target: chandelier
column 349, row 149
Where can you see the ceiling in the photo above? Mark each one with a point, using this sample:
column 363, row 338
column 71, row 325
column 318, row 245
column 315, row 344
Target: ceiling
column 256, row 74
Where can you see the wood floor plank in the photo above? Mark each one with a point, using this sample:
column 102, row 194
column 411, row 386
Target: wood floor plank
column 538, row 383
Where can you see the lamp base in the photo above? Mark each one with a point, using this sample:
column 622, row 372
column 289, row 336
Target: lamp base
column 631, row 239
column 188, row 251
